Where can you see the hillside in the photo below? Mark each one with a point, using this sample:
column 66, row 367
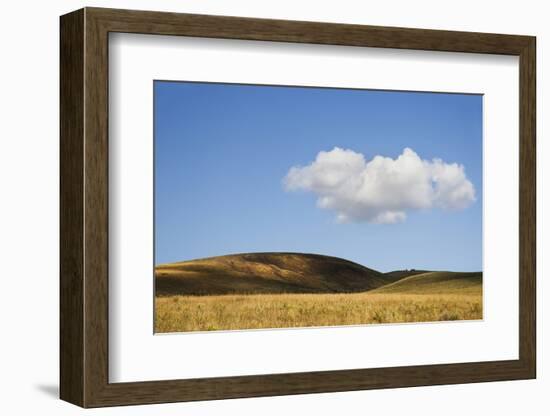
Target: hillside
column 401, row 274
column 258, row 273
column 436, row 282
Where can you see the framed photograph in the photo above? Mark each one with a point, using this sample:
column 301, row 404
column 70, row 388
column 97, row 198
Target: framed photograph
column 254, row 207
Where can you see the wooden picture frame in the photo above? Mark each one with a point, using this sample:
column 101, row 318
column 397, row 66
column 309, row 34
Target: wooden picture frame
column 84, row 207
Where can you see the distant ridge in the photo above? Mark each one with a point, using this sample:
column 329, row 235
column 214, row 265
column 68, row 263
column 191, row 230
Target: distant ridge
column 266, row 273
column 436, row 282
column 401, row 274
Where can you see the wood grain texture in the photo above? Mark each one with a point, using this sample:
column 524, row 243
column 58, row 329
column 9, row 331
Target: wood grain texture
column 162, row 23
column 527, row 208
column 71, row 202
column 84, row 207
column 96, row 208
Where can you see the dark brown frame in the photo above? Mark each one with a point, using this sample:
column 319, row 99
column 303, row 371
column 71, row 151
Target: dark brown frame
column 84, row 207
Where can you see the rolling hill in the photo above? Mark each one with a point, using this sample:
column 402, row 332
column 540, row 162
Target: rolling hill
column 435, row 282
column 257, row 273
column 400, row 274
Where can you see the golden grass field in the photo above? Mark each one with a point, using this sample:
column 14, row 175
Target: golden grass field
column 385, row 298
column 226, row 312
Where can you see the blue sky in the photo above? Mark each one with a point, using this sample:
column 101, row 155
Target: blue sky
column 223, row 151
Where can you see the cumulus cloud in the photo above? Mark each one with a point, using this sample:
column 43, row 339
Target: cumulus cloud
column 383, row 189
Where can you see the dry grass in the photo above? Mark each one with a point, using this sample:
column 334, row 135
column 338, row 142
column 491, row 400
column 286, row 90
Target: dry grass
column 226, row 312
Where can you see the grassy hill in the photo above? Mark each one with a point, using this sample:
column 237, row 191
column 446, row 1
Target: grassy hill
column 258, row 273
column 400, row 274
column 436, row 282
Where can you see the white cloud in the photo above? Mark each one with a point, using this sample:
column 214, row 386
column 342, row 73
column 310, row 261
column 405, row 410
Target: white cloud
column 383, row 189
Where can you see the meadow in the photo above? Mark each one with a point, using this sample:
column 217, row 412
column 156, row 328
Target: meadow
column 226, row 312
